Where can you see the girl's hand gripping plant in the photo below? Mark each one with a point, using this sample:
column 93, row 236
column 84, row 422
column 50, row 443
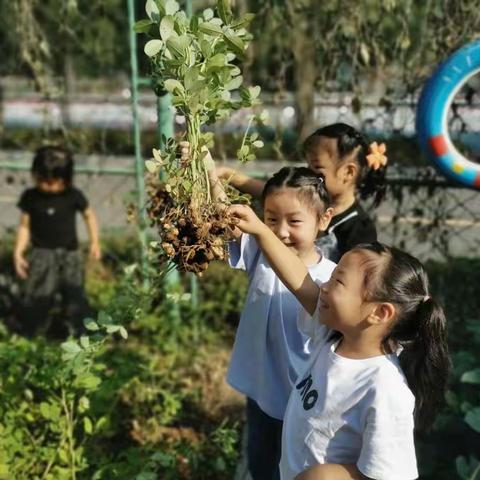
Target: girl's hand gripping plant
column 196, row 61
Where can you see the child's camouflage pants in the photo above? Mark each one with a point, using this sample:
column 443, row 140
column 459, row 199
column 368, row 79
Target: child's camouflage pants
column 54, row 272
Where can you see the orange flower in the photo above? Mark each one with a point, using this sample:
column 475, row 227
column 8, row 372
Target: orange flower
column 377, row 158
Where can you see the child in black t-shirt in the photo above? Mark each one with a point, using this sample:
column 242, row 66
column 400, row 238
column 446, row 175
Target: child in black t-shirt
column 47, row 222
column 350, row 166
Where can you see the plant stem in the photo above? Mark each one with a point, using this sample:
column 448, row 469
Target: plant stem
column 200, row 182
column 247, row 130
column 71, row 446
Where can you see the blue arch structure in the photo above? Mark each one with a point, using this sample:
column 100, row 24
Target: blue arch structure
column 432, row 114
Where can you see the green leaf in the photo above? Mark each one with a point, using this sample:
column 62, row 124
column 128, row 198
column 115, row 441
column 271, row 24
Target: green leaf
column 244, row 21
column 71, row 347
column 234, row 71
column 208, row 14
column 234, row 83
column 171, row 7
column 83, row 404
column 167, row 27
column 152, row 10
column 463, row 469
column 87, row 425
column 152, row 47
column 146, row 476
column 243, row 151
column 84, row 341
column 178, row 45
column 473, row 376
column 152, row 166
column 171, row 85
column 218, row 60
column 264, row 116
column 196, row 87
column 123, row 333
column 45, row 410
column 258, row 144
column 113, row 328
column 206, row 48
column 87, row 381
column 104, row 318
column 143, row 26
column 101, row 422
column 254, row 92
column 63, row 455
column 473, row 419
column 91, row 324
column 191, row 76
column 217, row 21
column 210, row 29
column 236, row 43
column 224, row 11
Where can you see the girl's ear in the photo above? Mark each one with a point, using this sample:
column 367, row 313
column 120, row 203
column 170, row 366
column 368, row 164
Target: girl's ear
column 349, row 172
column 382, row 314
column 324, row 220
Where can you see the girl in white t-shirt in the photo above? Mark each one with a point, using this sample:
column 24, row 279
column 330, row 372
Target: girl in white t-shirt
column 353, row 412
column 269, row 350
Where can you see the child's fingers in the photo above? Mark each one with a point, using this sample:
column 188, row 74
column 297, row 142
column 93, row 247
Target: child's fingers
column 238, row 211
column 21, row 267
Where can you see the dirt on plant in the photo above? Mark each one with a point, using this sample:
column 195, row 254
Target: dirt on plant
column 191, row 237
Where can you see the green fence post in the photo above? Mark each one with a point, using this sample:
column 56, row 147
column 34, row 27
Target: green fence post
column 193, row 278
column 165, row 131
column 139, row 165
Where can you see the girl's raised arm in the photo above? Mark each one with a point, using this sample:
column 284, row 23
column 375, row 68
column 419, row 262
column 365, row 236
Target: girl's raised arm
column 288, row 267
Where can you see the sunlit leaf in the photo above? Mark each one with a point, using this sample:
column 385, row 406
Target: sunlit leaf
column 152, row 47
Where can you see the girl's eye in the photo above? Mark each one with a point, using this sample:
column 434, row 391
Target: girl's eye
column 296, row 221
column 270, row 220
column 339, row 281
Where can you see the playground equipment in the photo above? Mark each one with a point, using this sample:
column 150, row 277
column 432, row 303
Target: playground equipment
column 432, row 114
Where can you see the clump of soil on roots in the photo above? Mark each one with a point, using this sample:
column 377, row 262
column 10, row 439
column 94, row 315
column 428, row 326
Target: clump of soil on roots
column 191, row 237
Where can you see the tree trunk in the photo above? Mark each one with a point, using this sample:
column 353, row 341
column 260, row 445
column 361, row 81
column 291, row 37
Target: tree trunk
column 303, row 49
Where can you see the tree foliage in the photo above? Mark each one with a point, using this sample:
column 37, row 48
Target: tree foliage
column 304, row 46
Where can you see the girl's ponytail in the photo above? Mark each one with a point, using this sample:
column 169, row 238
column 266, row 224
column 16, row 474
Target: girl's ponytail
column 373, row 184
column 426, row 362
column 371, row 181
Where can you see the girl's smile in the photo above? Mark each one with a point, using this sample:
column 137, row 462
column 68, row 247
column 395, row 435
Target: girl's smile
column 293, row 222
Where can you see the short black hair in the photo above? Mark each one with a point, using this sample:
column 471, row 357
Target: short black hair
column 311, row 186
column 53, row 162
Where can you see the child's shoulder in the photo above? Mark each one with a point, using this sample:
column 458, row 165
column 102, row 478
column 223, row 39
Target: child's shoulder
column 29, row 191
column 75, row 190
column 353, row 227
column 389, row 388
column 28, row 195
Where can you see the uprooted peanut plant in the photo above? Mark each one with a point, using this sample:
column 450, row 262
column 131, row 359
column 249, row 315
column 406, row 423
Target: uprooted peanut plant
column 196, row 60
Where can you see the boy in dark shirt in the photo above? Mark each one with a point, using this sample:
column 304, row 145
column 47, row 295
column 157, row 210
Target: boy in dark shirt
column 47, row 222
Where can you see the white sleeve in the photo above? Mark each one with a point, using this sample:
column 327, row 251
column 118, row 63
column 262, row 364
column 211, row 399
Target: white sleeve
column 243, row 252
column 388, row 450
column 310, row 325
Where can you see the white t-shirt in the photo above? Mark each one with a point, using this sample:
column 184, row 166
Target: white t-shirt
column 348, row 411
column 269, row 351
